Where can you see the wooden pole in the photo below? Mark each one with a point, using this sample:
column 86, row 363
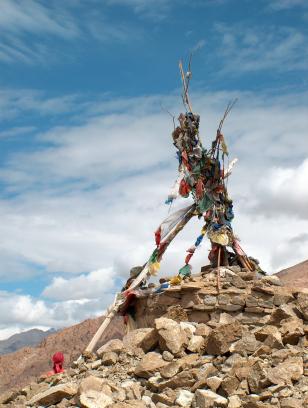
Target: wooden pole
column 100, row 331
column 143, row 275
column 218, row 269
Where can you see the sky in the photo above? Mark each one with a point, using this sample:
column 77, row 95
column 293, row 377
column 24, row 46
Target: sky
column 86, row 155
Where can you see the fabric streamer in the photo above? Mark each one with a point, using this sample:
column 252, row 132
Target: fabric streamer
column 237, row 248
column 169, row 223
column 230, row 167
column 185, row 271
column 184, row 188
column 191, row 252
column 174, row 192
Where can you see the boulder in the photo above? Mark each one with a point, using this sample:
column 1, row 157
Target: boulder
column 54, row 394
column 171, row 369
column 265, row 331
column 177, row 313
column 257, row 377
column 234, row 402
column 188, row 327
column 202, row 330
column 247, row 345
column 210, row 300
column 302, row 303
column 181, row 380
column 213, row 383
column 221, row 338
column 291, row 330
column 196, row 344
column 132, row 389
column 281, row 313
column 146, row 339
column 167, row 356
column 282, row 297
column 115, row 346
column 208, row 399
column 184, row 398
column 291, row 403
column 94, row 384
column 286, row 372
column 272, row 280
column 167, row 397
column 109, row 358
column 170, row 335
column 150, row 363
column 95, row 399
column 229, row 385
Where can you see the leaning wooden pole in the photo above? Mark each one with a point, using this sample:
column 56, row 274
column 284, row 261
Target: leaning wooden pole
column 144, row 274
column 218, row 269
column 101, row 330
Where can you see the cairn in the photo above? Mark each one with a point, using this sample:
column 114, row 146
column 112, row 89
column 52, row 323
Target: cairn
column 243, row 346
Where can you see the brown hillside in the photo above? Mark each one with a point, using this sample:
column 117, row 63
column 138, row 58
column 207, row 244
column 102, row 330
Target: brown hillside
column 23, row 366
column 233, row 340
column 296, row 276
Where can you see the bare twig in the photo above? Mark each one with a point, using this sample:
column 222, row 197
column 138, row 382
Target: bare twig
column 226, row 113
column 169, row 113
column 185, row 81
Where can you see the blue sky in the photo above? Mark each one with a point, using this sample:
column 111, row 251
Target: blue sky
column 86, row 156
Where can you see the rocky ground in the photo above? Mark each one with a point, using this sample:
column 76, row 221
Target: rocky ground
column 251, row 352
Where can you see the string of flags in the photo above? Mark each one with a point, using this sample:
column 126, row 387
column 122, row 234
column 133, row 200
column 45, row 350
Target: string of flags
column 202, row 175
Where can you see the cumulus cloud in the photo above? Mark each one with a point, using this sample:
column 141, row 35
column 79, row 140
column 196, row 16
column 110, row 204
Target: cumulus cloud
column 25, row 312
column 283, row 190
column 87, row 201
column 86, row 286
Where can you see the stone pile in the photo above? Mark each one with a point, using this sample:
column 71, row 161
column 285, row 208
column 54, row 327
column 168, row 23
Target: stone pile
column 244, row 345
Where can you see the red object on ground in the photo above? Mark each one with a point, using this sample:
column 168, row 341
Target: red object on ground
column 58, row 360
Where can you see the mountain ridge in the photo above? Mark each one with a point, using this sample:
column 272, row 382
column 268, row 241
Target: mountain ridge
column 27, row 338
column 295, row 276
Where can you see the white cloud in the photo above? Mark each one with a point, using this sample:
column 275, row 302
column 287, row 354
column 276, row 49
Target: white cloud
column 15, row 103
column 154, row 9
column 198, row 46
column 31, row 31
column 16, row 131
column 23, row 23
column 89, row 199
column 23, row 312
column 250, row 49
column 32, row 16
column 286, row 4
column 283, row 190
column 13, row 265
column 86, row 286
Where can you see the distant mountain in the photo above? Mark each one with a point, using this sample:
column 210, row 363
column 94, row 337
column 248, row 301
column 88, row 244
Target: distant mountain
column 296, row 276
column 25, row 339
column 23, row 366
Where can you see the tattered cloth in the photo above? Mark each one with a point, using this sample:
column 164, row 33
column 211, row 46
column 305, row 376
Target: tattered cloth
column 169, row 223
